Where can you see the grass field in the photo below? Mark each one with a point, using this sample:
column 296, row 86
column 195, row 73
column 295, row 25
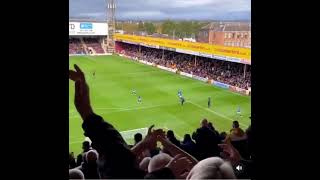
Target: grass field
column 111, row 97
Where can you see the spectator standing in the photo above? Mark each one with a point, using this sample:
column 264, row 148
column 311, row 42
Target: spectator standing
column 172, row 138
column 236, row 133
column 206, row 141
column 188, row 145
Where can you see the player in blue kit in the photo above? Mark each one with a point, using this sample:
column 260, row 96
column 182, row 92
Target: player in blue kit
column 209, row 102
column 239, row 110
column 182, row 100
column 179, row 93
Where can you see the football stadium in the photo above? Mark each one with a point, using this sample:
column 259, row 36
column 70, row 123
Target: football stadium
column 179, row 87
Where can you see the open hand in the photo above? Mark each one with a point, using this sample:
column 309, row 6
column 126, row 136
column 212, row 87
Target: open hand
column 230, row 153
column 76, row 75
column 151, row 138
column 180, row 166
column 81, row 98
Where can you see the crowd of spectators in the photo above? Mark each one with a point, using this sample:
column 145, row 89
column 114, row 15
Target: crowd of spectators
column 223, row 71
column 76, row 46
column 206, row 154
column 94, row 44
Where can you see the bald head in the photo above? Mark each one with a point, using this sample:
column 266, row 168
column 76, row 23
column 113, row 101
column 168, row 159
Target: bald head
column 75, row 174
column 158, row 161
column 145, row 163
column 212, row 168
column 91, row 156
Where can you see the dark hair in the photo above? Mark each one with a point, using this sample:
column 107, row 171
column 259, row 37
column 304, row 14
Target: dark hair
column 154, row 152
column 211, row 126
column 86, row 145
column 71, row 155
column 235, row 124
column 137, row 137
column 170, row 134
column 194, row 136
column 187, row 138
column 223, row 135
column 172, row 138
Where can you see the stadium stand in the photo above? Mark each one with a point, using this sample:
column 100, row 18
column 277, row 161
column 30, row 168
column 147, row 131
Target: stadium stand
column 81, row 45
column 95, row 44
column 223, row 71
column 75, row 46
column 109, row 156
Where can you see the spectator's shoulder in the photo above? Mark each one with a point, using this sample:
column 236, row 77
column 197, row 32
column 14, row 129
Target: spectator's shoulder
column 92, row 120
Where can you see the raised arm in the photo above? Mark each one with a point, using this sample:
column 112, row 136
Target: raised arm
column 81, row 97
column 94, row 126
column 116, row 156
column 175, row 150
column 148, row 143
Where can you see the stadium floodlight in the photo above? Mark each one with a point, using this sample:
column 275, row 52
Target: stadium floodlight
column 111, row 13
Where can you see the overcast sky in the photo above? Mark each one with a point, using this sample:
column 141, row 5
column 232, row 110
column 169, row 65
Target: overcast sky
column 164, row 9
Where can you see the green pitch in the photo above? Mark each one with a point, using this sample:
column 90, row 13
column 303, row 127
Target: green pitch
column 111, row 97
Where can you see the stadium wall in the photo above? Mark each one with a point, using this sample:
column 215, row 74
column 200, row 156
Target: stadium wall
column 106, row 54
column 209, row 81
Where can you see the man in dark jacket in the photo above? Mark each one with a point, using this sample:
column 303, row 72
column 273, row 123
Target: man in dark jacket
column 206, row 142
column 171, row 137
column 188, row 145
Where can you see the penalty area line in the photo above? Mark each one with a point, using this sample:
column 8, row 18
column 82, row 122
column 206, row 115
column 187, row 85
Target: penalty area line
column 216, row 113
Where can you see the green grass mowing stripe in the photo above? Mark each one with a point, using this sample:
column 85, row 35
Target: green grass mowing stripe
column 143, row 131
column 219, row 114
column 110, row 92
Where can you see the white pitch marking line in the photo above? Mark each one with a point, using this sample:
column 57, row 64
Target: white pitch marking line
column 138, row 108
column 221, row 115
column 132, row 73
column 107, row 108
column 76, row 116
column 128, row 109
column 149, row 107
column 72, row 117
column 75, row 142
column 132, row 130
column 198, row 81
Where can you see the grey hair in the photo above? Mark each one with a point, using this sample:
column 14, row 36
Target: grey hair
column 145, row 163
column 75, row 174
column 158, row 161
column 212, row 168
